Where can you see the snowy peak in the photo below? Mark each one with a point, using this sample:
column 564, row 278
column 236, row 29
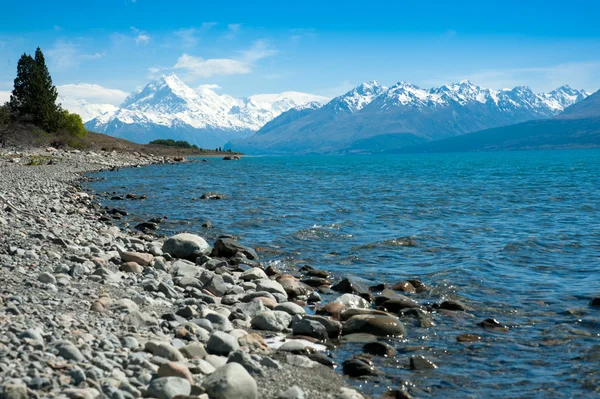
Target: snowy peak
column 86, row 110
column 359, row 97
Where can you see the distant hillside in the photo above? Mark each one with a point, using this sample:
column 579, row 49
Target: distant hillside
column 577, row 127
column 372, row 117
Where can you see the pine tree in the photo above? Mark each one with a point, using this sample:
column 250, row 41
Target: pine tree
column 34, row 94
column 21, row 99
column 46, row 112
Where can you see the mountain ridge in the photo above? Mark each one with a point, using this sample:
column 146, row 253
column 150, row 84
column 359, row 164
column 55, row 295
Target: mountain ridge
column 405, row 111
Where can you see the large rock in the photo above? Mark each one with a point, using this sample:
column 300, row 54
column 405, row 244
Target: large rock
column 186, row 246
column 137, row 257
column 353, row 301
column 254, row 274
column 310, row 328
column 271, row 321
column 221, row 343
column 292, row 286
column 228, row 247
column 231, row 381
column 351, row 286
column 169, row 387
column 270, row 286
column 376, row 325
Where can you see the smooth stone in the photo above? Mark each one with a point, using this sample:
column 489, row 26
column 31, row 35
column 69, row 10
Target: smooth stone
column 376, row 325
column 353, row 301
column 174, row 369
column 165, row 350
column 468, row 338
column 292, row 393
column 231, row 381
column 169, row 387
column 186, row 246
column 454, row 305
column 221, row 343
column 379, row 349
column 270, row 286
column 334, row 309
column 359, row 367
column 69, row 351
column 193, row 350
column 254, row 274
column 419, row 362
column 137, row 257
column 333, row 327
column 243, row 358
column 291, row 308
column 131, row 267
column 310, row 328
column 228, row 248
column 46, row 278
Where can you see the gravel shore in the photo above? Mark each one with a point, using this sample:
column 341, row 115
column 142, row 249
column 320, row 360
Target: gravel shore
column 88, row 310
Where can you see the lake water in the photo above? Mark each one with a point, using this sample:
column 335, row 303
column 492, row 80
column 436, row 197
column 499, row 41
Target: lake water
column 516, row 236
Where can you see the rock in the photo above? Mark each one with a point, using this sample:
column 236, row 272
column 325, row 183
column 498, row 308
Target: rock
column 379, row 349
column 243, row 358
column 231, row 381
column 270, row 286
column 131, row 267
column 374, row 324
column 173, row 369
column 358, row 367
column 169, row 387
column 334, row 309
column 404, row 286
column 292, row 393
column 164, row 350
column 221, row 343
column 291, row 308
column 137, row 257
column 253, row 274
column 353, row 312
column 396, row 305
column 347, row 393
column 310, row 328
column 46, row 278
column 468, row 338
column 351, row 286
column 212, row 196
column 292, row 286
column 228, row 248
column 333, row 327
column 232, row 158
column 218, row 322
column 69, row 351
column 492, row 324
column 14, row 391
column 453, row 305
column 595, row 302
column 193, row 350
column 353, row 301
column 249, row 309
column 419, row 362
column 186, row 246
column 271, row 321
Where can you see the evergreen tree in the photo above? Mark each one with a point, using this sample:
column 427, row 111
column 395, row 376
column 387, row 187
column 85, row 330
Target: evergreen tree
column 34, row 94
column 21, row 99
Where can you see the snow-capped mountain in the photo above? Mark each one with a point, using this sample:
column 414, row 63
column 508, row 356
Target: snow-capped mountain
column 168, row 108
column 86, row 110
column 371, row 116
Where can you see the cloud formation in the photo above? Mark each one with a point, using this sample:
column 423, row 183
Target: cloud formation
column 65, row 54
column 198, row 67
column 140, row 36
column 92, row 93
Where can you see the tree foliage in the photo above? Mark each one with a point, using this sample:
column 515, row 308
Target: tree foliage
column 34, row 98
column 173, row 143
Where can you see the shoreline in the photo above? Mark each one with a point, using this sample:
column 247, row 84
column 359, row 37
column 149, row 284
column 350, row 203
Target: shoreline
column 82, row 320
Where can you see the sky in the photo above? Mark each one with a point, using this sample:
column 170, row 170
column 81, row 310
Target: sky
column 102, row 50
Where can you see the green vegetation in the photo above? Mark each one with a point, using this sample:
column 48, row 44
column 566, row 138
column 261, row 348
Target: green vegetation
column 173, row 143
column 37, row 160
column 33, row 101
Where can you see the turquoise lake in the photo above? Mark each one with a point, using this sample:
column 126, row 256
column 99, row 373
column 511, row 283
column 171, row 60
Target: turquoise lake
column 514, row 235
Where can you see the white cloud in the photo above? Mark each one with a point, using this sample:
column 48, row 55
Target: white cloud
column 187, row 37
column 260, row 49
column 92, row 93
column 140, row 36
column 4, row 96
column 66, row 54
column 209, row 86
column 233, row 30
column 198, row 67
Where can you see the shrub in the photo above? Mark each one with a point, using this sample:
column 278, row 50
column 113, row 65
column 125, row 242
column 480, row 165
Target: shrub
column 72, row 124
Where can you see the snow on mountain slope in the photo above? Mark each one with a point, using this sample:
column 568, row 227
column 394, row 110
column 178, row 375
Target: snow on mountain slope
column 168, row 106
column 86, row 110
column 371, row 115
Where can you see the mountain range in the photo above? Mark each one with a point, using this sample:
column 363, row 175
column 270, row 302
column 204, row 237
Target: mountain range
column 167, row 108
column 372, row 117
column 577, row 127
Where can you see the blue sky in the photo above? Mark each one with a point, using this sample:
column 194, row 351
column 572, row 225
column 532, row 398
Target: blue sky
column 100, row 50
